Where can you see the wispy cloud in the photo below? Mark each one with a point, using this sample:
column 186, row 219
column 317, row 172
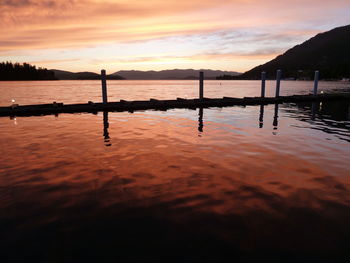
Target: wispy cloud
column 53, row 61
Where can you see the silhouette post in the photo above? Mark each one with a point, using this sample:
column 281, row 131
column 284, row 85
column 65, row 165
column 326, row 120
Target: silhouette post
column 201, row 86
column 278, row 82
column 263, row 79
column 317, row 76
column 104, row 86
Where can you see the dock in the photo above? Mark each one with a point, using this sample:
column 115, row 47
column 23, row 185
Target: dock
column 153, row 104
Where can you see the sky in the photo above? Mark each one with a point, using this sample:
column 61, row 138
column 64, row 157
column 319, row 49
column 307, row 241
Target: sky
column 88, row 35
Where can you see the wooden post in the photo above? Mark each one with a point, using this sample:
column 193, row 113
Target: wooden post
column 263, row 79
column 317, row 75
column 201, row 82
column 278, row 82
column 104, row 86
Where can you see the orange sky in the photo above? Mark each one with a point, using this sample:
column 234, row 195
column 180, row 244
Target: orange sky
column 89, row 35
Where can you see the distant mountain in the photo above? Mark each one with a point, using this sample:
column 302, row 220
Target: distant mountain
column 175, row 74
column 66, row 75
column 327, row 52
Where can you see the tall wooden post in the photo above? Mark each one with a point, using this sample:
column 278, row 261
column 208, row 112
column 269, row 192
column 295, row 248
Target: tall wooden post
column 278, row 82
column 317, row 75
column 104, row 86
column 263, row 80
column 201, row 85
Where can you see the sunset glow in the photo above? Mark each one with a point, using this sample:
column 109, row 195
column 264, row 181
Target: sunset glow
column 87, row 35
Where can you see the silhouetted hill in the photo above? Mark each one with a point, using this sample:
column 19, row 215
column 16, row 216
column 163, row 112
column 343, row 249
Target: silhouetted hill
column 174, row 74
column 66, row 75
column 25, row 71
column 327, row 52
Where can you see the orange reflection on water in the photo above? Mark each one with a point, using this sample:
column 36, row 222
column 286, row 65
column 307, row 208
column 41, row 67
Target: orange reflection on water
column 156, row 159
column 152, row 172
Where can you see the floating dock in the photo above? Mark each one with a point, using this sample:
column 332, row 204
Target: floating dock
column 153, row 104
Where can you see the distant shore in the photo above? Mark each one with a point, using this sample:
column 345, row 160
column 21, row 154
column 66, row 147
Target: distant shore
column 308, row 80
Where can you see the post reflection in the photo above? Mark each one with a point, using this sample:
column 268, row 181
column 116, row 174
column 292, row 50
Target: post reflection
column 313, row 111
column 107, row 139
column 200, row 121
column 261, row 116
column 315, row 107
column 275, row 120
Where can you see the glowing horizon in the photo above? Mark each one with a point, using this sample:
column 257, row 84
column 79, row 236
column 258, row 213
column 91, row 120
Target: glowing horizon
column 87, row 35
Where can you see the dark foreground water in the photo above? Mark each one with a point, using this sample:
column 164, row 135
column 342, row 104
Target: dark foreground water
column 235, row 184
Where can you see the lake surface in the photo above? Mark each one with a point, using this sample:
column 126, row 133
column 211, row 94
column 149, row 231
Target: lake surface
column 233, row 184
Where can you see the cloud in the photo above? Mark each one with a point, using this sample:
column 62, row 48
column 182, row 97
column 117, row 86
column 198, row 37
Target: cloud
column 54, row 61
column 120, row 21
column 234, row 26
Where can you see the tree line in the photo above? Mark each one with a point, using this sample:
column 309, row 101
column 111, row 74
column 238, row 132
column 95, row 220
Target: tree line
column 25, row 71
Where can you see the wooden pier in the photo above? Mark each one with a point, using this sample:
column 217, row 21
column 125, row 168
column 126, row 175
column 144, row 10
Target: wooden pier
column 154, row 104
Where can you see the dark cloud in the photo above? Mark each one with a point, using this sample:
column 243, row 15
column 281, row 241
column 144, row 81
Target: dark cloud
column 15, row 3
column 10, row 5
column 24, row 3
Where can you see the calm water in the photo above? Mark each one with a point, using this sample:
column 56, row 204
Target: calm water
column 220, row 184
